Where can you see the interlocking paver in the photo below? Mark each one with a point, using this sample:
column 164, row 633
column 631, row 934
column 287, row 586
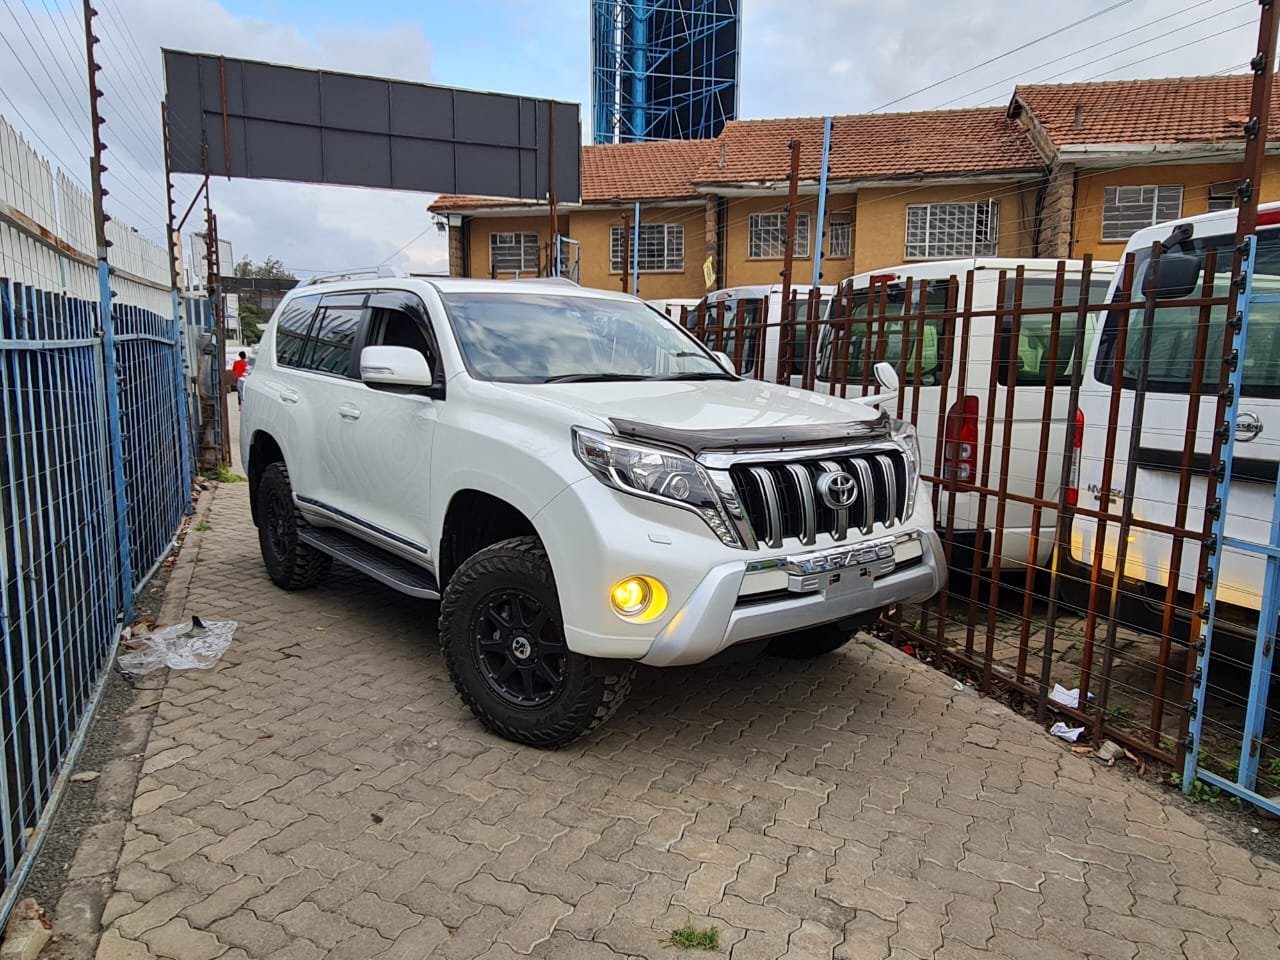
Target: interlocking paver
column 323, row 792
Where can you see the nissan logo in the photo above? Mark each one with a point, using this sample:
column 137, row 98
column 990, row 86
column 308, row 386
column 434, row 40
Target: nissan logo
column 1248, row 426
column 838, row 490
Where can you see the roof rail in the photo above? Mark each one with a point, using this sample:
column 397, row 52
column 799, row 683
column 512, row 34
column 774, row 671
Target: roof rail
column 358, row 272
column 552, row 280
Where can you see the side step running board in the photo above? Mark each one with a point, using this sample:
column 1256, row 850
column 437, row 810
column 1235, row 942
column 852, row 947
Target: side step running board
column 373, row 561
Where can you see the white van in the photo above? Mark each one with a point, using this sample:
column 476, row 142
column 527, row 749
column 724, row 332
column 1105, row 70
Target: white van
column 1164, row 433
column 967, row 433
column 743, row 307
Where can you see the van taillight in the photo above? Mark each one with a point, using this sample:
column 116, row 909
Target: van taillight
column 960, row 442
column 1077, row 441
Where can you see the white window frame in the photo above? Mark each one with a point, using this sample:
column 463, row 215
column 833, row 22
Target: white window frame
column 926, row 222
column 775, row 224
column 671, row 239
column 1119, row 201
column 845, row 221
column 527, row 244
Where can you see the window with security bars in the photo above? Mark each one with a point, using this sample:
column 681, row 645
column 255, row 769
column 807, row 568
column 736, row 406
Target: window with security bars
column 953, row 230
column 661, row 247
column 767, row 236
column 840, row 231
column 511, row 252
column 1128, row 209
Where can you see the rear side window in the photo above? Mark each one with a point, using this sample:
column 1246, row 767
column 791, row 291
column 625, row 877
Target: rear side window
column 915, row 352
column 291, row 330
column 332, row 336
column 1035, row 331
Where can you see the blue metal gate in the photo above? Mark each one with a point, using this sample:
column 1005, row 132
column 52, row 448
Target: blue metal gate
column 1247, row 770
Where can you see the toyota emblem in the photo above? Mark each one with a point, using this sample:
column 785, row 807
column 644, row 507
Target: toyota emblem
column 838, row 489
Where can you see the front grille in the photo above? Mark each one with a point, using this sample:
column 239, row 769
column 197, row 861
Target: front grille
column 781, row 500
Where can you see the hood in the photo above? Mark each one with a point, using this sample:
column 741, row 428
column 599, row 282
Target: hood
column 709, row 411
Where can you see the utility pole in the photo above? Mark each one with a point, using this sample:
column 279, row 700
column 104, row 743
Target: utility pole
column 106, row 323
column 785, row 342
column 635, row 254
column 626, row 250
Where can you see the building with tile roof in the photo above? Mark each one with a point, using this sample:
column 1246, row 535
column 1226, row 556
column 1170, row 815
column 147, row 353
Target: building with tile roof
column 1063, row 170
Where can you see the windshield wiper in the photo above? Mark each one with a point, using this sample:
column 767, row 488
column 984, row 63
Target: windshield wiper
column 701, row 375
column 595, row 377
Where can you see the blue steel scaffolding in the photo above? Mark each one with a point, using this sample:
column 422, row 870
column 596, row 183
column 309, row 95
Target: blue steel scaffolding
column 663, row 69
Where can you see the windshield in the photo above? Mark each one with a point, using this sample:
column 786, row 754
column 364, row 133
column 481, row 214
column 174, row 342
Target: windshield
column 545, row 337
column 1174, row 327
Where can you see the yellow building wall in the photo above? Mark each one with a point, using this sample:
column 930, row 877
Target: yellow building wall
column 741, row 270
column 591, row 228
column 1194, row 179
column 882, row 218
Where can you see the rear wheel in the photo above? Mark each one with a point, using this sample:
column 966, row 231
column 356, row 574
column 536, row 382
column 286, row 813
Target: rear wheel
column 504, row 645
column 290, row 563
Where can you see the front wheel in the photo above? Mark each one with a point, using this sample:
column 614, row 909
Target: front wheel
column 503, row 641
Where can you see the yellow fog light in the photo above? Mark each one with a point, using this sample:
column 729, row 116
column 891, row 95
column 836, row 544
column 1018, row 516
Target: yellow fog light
column 639, row 598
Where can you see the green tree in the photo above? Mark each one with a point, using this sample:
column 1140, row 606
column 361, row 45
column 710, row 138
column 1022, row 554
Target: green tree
column 268, row 269
column 250, row 322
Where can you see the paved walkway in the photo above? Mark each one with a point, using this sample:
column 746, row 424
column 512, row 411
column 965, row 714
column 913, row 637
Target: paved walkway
column 324, row 793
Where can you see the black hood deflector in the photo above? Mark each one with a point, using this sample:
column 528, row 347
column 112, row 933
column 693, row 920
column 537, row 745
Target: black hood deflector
column 735, row 440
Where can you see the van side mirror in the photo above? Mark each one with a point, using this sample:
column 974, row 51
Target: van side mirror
column 1174, row 276
column 887, row 377
column 725, row 361
column 394, row 366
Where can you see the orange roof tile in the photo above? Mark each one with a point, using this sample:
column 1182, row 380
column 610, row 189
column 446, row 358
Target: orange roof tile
column 1167, row 111
column 660, row 170
column 872, row 147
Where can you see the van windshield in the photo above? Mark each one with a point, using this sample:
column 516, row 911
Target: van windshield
column 899, row 346
column 1174, row 331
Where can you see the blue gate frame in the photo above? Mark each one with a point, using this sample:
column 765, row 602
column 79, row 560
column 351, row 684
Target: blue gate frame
column 1246, row 782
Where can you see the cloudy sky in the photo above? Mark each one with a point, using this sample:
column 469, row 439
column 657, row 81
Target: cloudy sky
column 799, row 58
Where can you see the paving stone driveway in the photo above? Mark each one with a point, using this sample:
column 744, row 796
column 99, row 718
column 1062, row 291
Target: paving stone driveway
column 324, row 793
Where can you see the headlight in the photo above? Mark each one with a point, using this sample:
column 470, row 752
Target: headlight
column 654, row 474
column 904, row 434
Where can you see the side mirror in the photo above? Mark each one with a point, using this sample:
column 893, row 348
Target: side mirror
column 394, row 366
column 725, row 361
column 1173, row 277
column 887, row 377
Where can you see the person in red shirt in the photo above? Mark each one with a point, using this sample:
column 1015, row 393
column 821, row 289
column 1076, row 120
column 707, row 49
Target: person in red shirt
column 238, row 370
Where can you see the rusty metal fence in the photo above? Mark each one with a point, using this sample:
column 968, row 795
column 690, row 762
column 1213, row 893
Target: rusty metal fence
column 1073, row 530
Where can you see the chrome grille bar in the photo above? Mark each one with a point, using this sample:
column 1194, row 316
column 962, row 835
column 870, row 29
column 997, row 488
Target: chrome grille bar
column 891, row 488
column 773, row 505
column 840, row 529
column 866, row 491
column 808, row 503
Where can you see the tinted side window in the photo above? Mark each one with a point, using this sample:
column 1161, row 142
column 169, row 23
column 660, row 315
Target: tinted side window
column 1035, row 331
column 394, row 328
column 332, row 336
column 291, row 331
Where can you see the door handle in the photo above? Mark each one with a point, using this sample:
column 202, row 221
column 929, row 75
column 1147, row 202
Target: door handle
column 288, row 396
column 349, row 412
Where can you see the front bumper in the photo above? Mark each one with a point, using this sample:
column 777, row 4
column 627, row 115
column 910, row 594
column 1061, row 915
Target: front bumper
column 719, row 596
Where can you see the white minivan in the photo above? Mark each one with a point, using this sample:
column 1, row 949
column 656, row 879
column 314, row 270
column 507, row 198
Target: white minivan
column 744, row 308
column 1156, row 492
column 974, row 418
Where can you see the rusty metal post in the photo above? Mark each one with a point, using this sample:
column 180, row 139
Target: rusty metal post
column 788, row 255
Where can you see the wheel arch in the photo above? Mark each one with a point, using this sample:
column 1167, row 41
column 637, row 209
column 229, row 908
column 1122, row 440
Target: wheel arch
column 264, row 450
column 476, row 519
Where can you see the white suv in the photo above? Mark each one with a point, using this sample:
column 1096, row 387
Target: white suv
column 580, row 482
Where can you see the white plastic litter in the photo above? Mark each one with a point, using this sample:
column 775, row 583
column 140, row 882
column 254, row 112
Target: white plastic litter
column 191, row 645
column 1062, row 731
column 1068, row 698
